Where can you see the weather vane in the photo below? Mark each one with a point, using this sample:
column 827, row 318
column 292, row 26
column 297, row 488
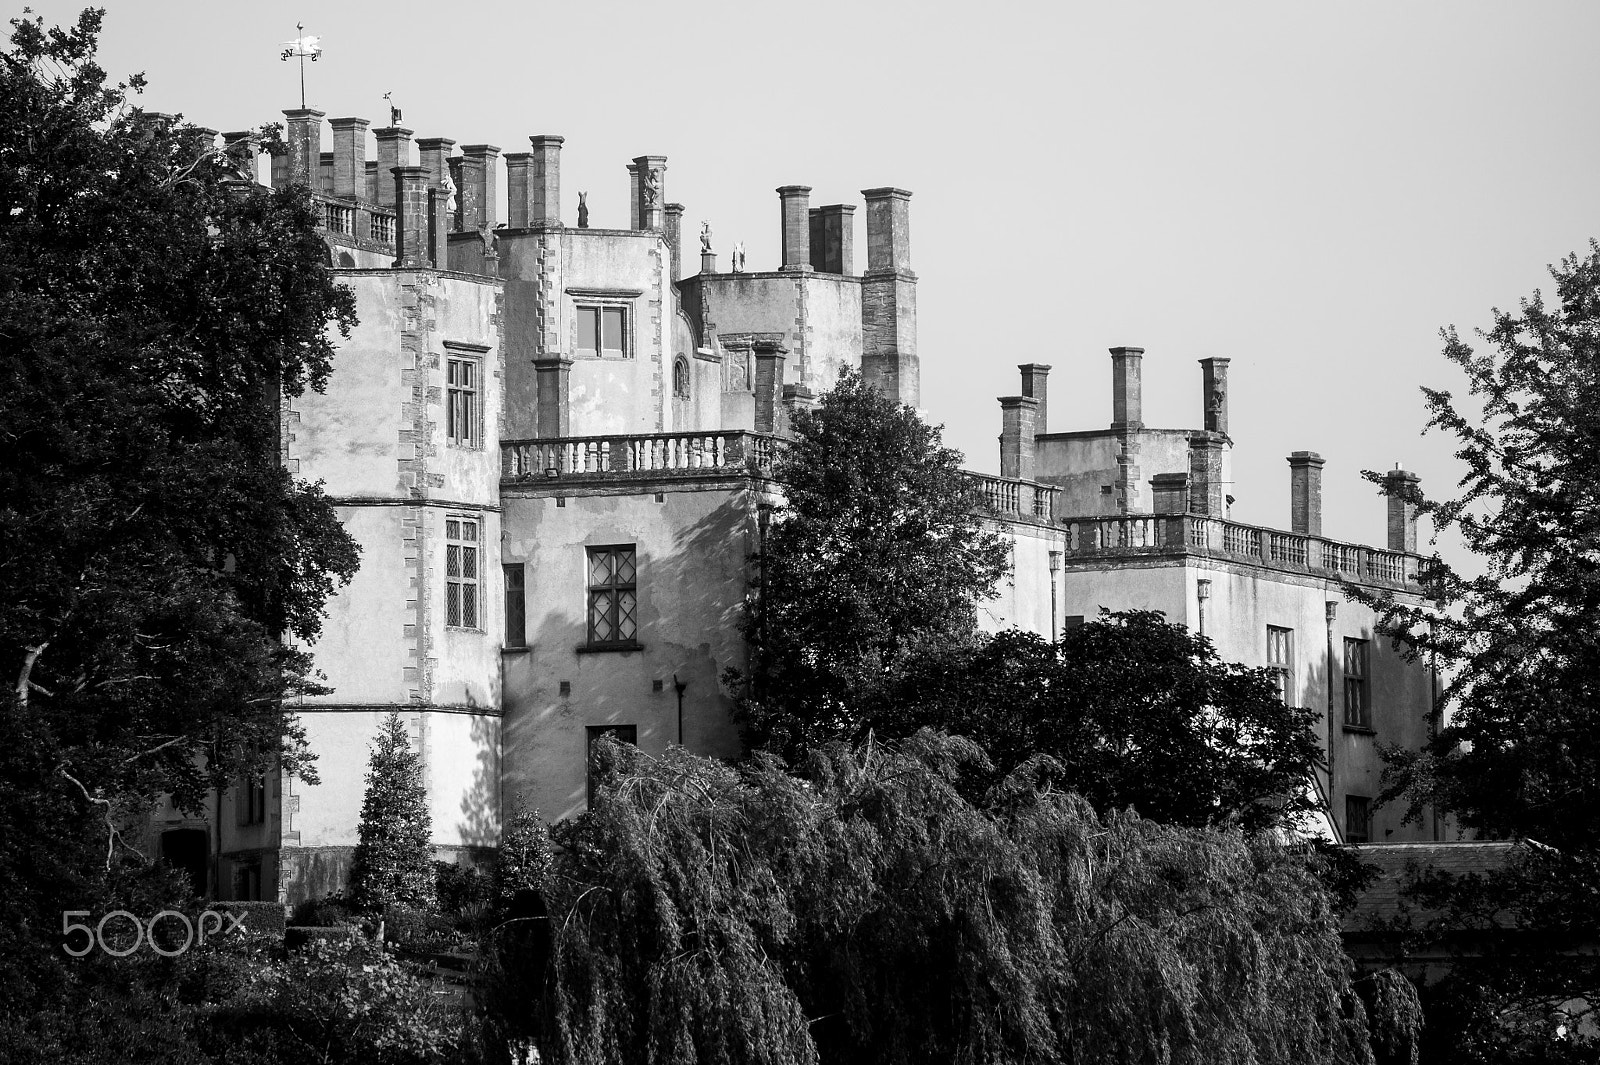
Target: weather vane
column 394, row 112
column 302, row 48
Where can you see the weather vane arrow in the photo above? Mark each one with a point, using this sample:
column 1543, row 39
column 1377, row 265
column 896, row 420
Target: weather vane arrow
column 302, row 48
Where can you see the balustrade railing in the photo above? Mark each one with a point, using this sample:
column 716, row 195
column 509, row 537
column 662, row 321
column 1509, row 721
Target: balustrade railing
column 1175, row 533
column 1011, row 497
column 583, row 456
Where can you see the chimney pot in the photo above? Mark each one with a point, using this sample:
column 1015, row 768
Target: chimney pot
column 1402, row 488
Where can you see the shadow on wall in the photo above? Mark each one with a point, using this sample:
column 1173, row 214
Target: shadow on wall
column 480, row 806
column 691, row 598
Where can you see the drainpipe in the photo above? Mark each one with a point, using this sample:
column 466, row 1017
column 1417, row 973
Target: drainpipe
column 679, row 686
column 1203, row 592
column 1332, row 614
column 1055, row 623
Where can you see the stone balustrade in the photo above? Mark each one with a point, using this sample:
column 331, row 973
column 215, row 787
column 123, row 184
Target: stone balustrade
column 1182, row 534
column 365, row 223
column 1011, row 497
column 731, row 451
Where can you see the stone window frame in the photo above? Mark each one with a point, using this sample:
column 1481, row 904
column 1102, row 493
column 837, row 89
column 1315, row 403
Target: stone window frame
column 514, row 578
column 250, row 800
column 597, row 301
column 1280, row 660
column 464, row 400
column 467, row 554
column 1357, row 683
column 621, row 594
column 1357, row 819
column 681, row 378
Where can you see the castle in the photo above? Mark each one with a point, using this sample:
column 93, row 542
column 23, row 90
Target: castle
column 554, row 446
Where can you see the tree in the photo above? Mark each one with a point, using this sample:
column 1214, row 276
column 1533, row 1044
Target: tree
column 153, row 551
column 393, row 862
column 867, row 911
column 877, row 555
column 1519, row 755
column 1135, row 711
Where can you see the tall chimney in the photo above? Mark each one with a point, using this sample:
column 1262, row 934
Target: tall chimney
column 305, row 146
column 410, row 191
column 518, row 165
column 1214, row 393
column 479, row 185
column 243, row 147
column 394, row 149
column 795, row 201
column 1035, row 381
column 833, row 238
column 325, row 173
column 889, row 299
column 349, row 157
column 672, row 232
column 1402, row 488
column 650, row 179
column 1205, row 474
column 1018, row 415
column 1305, row 493
column 1127, row 406
column 372, row 183
column 433, row 153
column 544, row 180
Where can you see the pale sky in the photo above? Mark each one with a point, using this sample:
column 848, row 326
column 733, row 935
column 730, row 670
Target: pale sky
column 1311, row 191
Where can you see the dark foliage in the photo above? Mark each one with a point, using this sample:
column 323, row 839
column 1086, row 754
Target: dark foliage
column 152, row 548
column 1135, row 712
column 877, row 556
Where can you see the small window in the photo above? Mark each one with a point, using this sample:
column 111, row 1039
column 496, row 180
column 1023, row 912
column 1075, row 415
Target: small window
column 247, row 881
column 620, row 733
column 250, row 800
column 461, row 573
column 613, row 596
column 1071, row 621
column 602, row 332
column 516, row 605
column 680, row 378
column 1357, row 819
column 462, row 406
column 1280, row 660
column 1357, row 703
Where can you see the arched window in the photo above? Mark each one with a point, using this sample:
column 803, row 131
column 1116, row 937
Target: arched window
column 680, row 378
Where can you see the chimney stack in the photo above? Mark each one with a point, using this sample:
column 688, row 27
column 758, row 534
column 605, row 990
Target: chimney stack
column 305, row 146
column 796, row 201
column 1205, row 474
column 479, row 185
column 1214, row 394
column 1035, row 381
column 1305, row 493
column 889, row 299
column 243, row 147
column 411, row 217
column 544, row 180
column 1018, row 416
column 517, row 166
column 1402, row 488
column 325, row 173
column 349, row 157
column 394, row 149
column 833, row 238
column 434, row 154
column 1127, row 409
column 672, row 232
column 649, row 174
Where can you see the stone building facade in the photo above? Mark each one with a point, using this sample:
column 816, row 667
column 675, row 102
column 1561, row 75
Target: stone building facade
column 553, row 445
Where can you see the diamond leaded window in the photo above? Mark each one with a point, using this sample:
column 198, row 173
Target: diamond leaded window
column 613, row 596
column 461, row 573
